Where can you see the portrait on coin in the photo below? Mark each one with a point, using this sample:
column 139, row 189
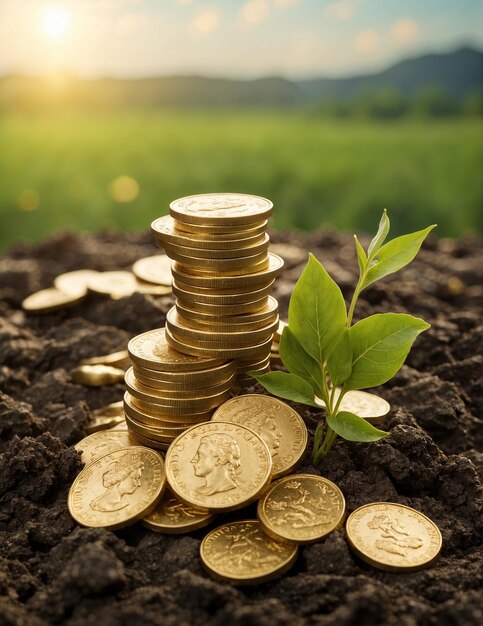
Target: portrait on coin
column 217, row 460
column 264, row 424
column 121, row 478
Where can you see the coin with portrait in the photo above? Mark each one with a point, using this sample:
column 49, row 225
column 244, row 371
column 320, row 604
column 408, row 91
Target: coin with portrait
column 101, row 443
column 218, row 466
column 117, row 489
column 280, row 426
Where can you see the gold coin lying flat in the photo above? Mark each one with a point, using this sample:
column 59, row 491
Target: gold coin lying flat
column 151, row 289
column 301, row 508
column 103, row 442
column 116, row 359
column 97, row 375
column 150, row 443
column 104, row 422
column 241, row 553
column 47, row 300
column 173, row 517
column 366, row 405
column 117, row 285
column 74, row 283
column 393, row 537
column 118, row 489
column 221, row 209
column 218, row 466
column 154, row 269
column 280, row 427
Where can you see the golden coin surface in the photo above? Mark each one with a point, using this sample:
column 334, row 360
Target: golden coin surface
column 104, row 422
column 150, row 443
column 103, row 442
column 195, row 380
column 237, row 251
column 366, row 405
column 117, row 284
column 151, row 418
column 393, row 537
column 215, row 264
column 301, row 508
column 116, row 359
column 151, row 350
column 117, row 489
column 251, row 306
column 114, row 409
column 186, row 385
column 190, row 293
column 154, row 269
column 225, row 353
column 242, row 553
column 278, row 333
column 218, row 466
column 174, row 517
column 266, row 314
column 51, row 299
column 97, row 375
column 221, row 231
column 74, row 283
column 222, row 209
column 280, row 427
column 151, row 289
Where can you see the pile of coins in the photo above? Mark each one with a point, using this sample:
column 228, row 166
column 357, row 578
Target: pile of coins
column 223, row 274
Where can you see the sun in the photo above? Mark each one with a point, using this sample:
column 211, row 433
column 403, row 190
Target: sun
column 55, row 21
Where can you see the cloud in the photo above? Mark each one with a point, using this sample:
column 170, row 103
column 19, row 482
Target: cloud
column 205, row 21
column 405, row 31
column 366, row 42
column 341, row 11
column 254, row 12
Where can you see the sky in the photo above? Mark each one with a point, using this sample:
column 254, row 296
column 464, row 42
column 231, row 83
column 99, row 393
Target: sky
column 232, row 38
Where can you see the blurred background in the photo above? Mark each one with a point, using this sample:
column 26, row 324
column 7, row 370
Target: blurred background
column 333, row 109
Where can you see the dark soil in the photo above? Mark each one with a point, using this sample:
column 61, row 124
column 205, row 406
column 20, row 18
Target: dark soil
column 54, row 572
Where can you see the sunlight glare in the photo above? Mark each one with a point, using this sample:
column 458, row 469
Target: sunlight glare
column 55, row 21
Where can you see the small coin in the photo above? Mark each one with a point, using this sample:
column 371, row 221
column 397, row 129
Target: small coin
column 218, row 466
column 221, row 231
column 113, row 409
column 149, row 443
column 103, row 442
column 241, row 553
column 301, row 508
column 74, row 283
column 224, row 327
column 118, row 489
column 182, row 408
column 248, row 269
column 224, row 310
column 216, row 264
column 280, row 427
column 47, row 300
column 266, row 314
column 151, row 350
column 158, row 434
column 366, row 405
column 97, row 375
column 150, row 289
column 174, row 517
column 117, row 284
column 393, row 537
column 278, row 333
column 194, row 380
column 104, row 422
column 154, row 269
column 237, row 251
column 221, row 209
column 116, row 359
column 155, row 418
column 193, row 294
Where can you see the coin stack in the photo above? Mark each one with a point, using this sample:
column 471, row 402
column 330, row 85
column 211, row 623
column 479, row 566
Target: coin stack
column 223, row 274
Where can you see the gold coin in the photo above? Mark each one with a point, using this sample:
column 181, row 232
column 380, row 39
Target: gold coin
column 216, row 272
column 149, row 443
column 221, row 209
column 104, row 422
column 280, row 427
column 74, row 283
column 184, row 386
column 154, row 418
column 114, row 409
column 366, row 405
column 154, row 269
column 196, row 289
column 121, row 426
column 118, row 489
column 275, row 266
column 97, row 375
column 185, row 407
column 103, row 442
column 193, row 380
column 393, row 537
column 278, row 333
column 221, row 231
column 116, row 359
column 219, row 255
column 117, row 284
column 224, row 327
column 152, row 351
column 173, row 517
column 218, row 466
column 241, row 553
column 151, row 289
column 215, row 264
column 47, row 300
column 265, row 315
column 191, row 294
column 226, row 353
column 224, row 310
column 157, row 434
column 247, row 365
column 301, row 508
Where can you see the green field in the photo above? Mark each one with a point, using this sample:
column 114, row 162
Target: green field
column 56, row 170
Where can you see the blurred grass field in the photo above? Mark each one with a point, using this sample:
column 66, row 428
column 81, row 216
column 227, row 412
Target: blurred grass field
column 57, row 170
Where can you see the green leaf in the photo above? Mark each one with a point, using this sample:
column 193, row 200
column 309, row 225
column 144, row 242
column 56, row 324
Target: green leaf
column 317, row 314
column 354, row 428
column 288, row 386
column 395, row 255
column 298, row 362
column 380, row 237
column 339, row 361
column 361, row 255
column 380, row 345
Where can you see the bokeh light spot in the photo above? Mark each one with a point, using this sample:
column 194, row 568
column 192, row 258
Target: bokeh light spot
column 124, row 189
column 28, row 200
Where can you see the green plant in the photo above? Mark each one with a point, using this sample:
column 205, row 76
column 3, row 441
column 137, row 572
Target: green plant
column 327, row 356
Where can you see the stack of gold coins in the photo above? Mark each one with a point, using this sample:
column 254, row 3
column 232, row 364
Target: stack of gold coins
column 168, row 391
column 223, row 274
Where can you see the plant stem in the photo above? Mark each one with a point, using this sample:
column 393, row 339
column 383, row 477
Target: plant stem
column 352, row 306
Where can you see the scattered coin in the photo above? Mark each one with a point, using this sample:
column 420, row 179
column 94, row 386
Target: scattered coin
column 104, row 422
column 97, row 375
column 150, row 289
column 118, row 489
column 174, row 517
column 221, row 209
column 74, row 283
column 218, row 466
column 116, row 359
column 241, row 553
column 114, row 409
column 301, row 508
column 154, row 269
column 393, row 537
column 103, row 442
column 280, row 427
column 47, row 300
column 117, row 285
column 366, row 405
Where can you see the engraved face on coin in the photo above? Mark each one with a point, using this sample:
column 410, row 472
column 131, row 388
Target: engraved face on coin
column 393, row 537
column 363, row 404
column 218, row 466
column 74, row 283
column 117, row 489
column 51, row 299
column 282, row 428
column 103, row 442
column 174, row 517
column 154, row 269
column 242, row 553
column 221, row 209
column 301, row 508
